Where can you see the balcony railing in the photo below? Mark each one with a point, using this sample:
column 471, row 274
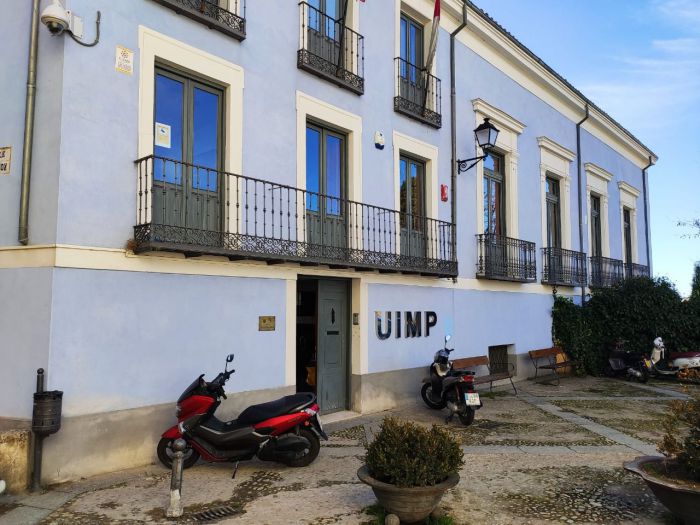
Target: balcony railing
column 331, row 50
column 605, row 272
column 505, row 259
column 562, row 267
column 226, row 16
column 636, row 270
column 197, row 210
column 417, row 93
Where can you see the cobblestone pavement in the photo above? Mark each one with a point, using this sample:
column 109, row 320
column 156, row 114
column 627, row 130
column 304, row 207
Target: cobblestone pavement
column 550, row 455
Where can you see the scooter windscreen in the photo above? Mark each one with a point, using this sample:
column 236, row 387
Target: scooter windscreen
column 190, row 390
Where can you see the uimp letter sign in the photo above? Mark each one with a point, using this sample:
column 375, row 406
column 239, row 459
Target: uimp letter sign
column 408, row 324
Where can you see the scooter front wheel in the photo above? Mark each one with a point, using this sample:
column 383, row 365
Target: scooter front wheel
column 309, row 454
column 426, row 392
column 165, row 454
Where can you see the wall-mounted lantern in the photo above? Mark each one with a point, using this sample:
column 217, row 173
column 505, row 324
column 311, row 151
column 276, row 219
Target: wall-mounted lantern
column 486, row 135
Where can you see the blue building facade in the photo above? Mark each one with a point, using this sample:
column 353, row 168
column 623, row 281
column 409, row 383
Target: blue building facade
column 276, row 181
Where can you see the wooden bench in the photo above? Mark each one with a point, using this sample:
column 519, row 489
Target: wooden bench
column 472, row 362
column 550, row 354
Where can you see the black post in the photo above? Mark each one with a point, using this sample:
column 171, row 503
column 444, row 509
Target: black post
column 38, row 439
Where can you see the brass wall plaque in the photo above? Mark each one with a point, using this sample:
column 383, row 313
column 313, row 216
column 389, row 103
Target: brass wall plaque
column 266, row 323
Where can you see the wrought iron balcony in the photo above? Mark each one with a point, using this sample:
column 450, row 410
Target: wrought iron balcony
column 562, row 267
column 605, row 272
column 226, row 16
column 636, row 270
column 505, row 259
column 418, row 94
column 331, row 50
column 197, row 210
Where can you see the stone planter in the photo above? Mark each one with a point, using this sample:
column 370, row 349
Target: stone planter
column 410, row 504
column 681, row 500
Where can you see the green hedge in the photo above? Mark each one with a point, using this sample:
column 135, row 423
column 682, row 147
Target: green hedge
column 637, row 310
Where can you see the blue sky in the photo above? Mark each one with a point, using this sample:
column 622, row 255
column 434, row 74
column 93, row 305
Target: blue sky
column 640, row 61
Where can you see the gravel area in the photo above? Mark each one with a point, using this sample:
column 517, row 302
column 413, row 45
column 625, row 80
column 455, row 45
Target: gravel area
column 550, row 455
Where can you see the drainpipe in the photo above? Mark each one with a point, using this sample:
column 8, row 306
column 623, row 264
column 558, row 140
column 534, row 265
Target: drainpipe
column 580, row 197
column 646, row 210
column 453, row 133
column 23, row 233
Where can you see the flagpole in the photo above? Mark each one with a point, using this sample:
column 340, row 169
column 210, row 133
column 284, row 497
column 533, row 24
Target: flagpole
column 434, row 33
column 341, row 52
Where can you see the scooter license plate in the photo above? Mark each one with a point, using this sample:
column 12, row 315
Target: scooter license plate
column 472, row 399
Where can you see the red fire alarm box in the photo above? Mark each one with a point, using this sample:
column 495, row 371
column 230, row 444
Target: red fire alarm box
column 443, row 192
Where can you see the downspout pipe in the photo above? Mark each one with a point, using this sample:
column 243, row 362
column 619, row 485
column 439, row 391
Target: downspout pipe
column 579, row 170
column 453, row 133
column 646, row 210
column 23, row 233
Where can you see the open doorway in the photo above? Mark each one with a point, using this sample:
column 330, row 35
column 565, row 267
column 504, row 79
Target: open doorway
column 322, row 341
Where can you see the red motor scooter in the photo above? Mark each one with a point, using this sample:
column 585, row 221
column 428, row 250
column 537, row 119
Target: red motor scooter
column 286, row 430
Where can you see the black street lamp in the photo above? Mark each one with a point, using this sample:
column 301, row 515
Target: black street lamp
column 486, row 135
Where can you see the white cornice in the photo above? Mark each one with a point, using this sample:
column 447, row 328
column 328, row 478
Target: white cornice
column 628, row 188
column 500, row 118
column 556, row 149
column 599, row 172
column 501, row 52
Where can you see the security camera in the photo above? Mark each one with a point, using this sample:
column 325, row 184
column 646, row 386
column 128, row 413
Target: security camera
column 56, row 18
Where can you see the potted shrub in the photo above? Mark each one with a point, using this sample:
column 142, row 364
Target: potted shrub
column 675, row 479
column 409, row 468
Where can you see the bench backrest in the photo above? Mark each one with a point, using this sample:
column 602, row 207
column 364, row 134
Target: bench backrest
column 545, row 352
column 470, row 362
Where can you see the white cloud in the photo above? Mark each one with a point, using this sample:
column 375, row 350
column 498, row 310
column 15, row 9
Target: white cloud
column 678, row 45
column 658, row 89
column 684, row 13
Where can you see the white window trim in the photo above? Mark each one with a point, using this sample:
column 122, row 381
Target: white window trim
column 350, row 124
column 427, row 153
column 555, row 161
column 312, row 108
column 153, row 46
column 597, row 180
column 628, row 199
column 506, row 145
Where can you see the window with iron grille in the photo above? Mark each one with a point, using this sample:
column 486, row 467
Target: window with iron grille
column 498, row 358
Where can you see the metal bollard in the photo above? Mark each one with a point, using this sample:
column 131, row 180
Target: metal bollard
column 175, row 509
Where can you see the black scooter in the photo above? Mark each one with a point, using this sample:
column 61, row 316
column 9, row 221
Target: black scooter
column 448, row 387
column 630, row 365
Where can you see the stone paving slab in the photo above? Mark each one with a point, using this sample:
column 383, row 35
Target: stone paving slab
column 24, row 516
column 596, row 428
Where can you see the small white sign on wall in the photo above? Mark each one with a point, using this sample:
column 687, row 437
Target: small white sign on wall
column 124, row 62
column 5, row 159
column 162, row 138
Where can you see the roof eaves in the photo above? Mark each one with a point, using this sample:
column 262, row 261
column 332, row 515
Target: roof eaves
column 542, row 63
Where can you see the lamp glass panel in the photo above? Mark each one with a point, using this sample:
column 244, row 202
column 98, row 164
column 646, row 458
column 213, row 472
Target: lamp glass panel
column 482, row 136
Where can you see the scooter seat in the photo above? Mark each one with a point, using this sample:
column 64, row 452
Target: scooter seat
column 279, row 407
column 684, row 355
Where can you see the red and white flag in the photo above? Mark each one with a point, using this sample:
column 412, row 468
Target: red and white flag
column 435, row 29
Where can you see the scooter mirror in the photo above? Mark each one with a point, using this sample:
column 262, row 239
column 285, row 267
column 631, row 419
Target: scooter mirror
column 229, row 358
column 447, row 338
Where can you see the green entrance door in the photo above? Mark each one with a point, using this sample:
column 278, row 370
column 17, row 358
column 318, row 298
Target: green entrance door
column 332, row 359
